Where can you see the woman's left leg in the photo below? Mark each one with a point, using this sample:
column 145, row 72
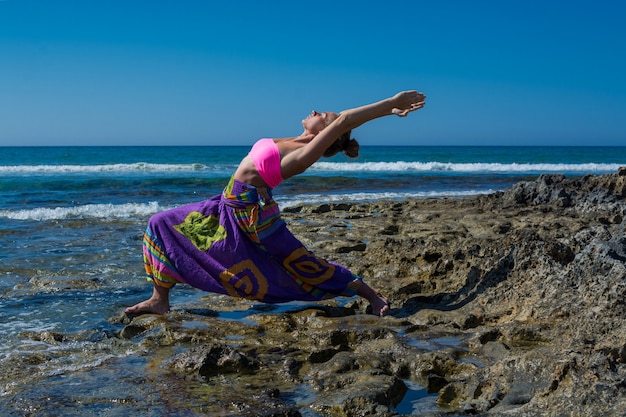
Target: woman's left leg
column 159, row 303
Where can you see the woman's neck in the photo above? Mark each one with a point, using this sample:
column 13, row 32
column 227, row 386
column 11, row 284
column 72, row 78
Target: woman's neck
column 306, row 137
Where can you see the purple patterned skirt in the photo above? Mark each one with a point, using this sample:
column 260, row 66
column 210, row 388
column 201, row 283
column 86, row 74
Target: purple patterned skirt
column 236, row 243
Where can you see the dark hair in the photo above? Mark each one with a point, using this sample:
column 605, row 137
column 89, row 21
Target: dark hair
column 349, row 146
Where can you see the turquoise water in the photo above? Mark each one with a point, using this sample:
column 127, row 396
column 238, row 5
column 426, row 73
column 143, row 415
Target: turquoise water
column 129, row 182
column 71, row 220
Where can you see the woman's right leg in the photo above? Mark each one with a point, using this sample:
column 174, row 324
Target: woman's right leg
column 379, row 304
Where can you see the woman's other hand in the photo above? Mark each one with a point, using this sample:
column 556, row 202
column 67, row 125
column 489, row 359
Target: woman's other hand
column 407, row 101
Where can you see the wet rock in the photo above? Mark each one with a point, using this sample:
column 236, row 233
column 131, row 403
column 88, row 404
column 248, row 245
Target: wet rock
column 290, row 369
column 139, row 325
column 214, row 360
column 51, row 338
column 361, row 394
column 57, row 283
column 324, row 208
column 322, row 355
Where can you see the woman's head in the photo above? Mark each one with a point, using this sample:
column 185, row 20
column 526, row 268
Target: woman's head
column 315, row 122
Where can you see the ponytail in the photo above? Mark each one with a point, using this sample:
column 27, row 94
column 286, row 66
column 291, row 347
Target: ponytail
column 349, row 146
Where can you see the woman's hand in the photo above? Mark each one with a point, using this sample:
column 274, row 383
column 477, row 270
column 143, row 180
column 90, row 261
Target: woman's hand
column 406, row 102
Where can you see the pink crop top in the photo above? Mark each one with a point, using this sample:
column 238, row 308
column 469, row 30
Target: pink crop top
column 266, row 158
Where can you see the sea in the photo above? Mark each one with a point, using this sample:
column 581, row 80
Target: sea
column 71, row 221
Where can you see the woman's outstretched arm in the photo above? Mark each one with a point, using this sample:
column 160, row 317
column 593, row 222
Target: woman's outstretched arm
column 400, row 104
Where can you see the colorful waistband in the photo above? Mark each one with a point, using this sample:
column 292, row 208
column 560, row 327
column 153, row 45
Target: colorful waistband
column 240, row 194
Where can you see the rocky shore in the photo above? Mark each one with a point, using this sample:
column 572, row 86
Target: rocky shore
column 504, row 304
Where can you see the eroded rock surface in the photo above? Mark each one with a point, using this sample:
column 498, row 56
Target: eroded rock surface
column 528, row 284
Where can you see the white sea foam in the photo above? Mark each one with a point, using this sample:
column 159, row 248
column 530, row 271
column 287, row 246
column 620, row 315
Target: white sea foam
column 136, row 210
column 117, row 168
column 400, row 166
column 296, row 200
column 79, row 363
column 397, row 166
column 32, row 325
column 105, row 211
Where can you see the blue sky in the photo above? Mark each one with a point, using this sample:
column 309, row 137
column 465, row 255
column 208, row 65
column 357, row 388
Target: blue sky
column 124, row 72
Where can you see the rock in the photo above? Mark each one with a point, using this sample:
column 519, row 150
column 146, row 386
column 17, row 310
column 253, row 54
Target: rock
column 214, row 360
column 139, row 325
column 359, row 247
column 361, row 394
column 51, row 338
column 323, row 208
column 504, row 304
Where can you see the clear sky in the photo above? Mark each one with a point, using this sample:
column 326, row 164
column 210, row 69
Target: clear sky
column 134, row 72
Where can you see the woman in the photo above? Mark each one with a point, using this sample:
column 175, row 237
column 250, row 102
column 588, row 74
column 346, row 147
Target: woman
column 237, row 244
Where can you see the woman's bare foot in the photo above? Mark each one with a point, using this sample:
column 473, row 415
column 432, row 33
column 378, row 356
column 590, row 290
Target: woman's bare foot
column 148, row 307
column 159, row 303
column 379, row 305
